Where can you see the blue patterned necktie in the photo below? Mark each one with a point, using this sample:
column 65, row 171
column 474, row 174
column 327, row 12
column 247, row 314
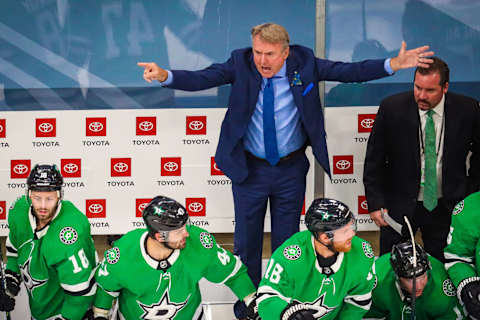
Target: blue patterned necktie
column 430, row 184
column 269, row 131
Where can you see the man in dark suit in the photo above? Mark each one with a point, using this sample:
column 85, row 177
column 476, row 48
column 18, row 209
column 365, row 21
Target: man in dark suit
column 414, row 172
column 274, row 86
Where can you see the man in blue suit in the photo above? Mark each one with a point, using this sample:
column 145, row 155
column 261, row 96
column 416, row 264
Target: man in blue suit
column 274, row 112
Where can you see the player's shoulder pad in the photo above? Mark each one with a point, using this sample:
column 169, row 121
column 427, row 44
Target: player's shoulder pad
column 124, row 246
column 438, row 275
column 201, row 237
column 362, row 248
column 20, row 202
column 294, row 248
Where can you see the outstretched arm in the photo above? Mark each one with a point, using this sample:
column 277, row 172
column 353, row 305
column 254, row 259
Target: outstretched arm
column 418, row 57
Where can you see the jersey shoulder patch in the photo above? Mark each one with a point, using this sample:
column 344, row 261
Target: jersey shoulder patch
column 367, row 249
column 68, row 235
column 112, row 255
column 206, row 240
column 292, row 252
column 448, row 288
column 458, row 208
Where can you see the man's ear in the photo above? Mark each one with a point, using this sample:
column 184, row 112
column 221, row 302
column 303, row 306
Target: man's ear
column 324, row 238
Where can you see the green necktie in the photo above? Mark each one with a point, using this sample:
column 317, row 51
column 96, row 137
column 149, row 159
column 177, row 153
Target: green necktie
column 430, row 183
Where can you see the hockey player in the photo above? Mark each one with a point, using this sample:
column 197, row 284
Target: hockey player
column 392, row 295
column 50, row 248
column 462, row 254
column 323, row 273
column 154, row 272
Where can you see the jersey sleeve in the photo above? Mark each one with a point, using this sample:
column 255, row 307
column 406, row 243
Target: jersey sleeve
column 224, row 267
column 109, row 287
column 11, row 244
column 76, row 271
column 358, row 300
column 276, row 288
column 444, row 297
column 462, row 240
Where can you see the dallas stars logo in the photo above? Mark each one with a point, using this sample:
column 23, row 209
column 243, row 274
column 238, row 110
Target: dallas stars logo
column 163, row 310
column 30, row 282
column 325, row 216
column 318, row 307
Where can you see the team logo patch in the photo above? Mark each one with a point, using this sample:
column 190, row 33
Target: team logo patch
column 292, row 252
column 113, row 255
column 448, row 288
column 68, row 235
column 458, row 208
column 206, row 240
column 375, row 283
column 367, row 249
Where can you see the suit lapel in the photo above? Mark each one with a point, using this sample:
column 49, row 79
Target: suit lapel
column 413, row 120
column 296, row 89
column 450, row 133
column 254, row 85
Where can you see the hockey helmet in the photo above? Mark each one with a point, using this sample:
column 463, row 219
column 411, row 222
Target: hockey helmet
column 327, row 215
column 45, row 177
column 401, row 260
column 164, row 214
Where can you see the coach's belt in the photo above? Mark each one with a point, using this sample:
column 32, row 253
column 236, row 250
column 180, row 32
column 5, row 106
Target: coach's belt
column 282, row 159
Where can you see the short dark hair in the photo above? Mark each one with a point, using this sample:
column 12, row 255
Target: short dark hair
column 439, row 66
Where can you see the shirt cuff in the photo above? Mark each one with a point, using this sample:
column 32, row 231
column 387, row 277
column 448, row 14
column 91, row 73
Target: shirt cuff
column 169, row 79
column 387, row 66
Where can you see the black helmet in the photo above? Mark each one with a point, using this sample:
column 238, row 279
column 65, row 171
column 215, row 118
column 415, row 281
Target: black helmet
column 401, row 260
column 327, row 215
column 164, row 214
column 45, row 177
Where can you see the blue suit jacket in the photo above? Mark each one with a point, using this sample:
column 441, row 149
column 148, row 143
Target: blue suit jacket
column 241, row 73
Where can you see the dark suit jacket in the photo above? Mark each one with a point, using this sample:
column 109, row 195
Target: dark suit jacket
column 241, row 73
column 392, row 163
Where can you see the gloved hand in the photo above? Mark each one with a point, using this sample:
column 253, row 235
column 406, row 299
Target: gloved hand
column 297, row 311
column 12, row 280
column 252, row 311
column 7, row 303
column 469, row 294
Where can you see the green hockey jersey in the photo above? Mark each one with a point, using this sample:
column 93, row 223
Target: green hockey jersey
column 167, row 289
column 341, row 291
column 438, row 300
column 56, row 263
column 462, row 259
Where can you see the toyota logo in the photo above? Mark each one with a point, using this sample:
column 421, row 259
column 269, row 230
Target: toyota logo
column 215, row 167
column 95, row 208
column 95, row 126
column 196, row 125
column 1, row 210
column 70, row 168
column 367, row 123
column 120, row 167
column 20, row 169
column 170, row 166
column 364, row 205
column 146, row 126
column 142, row 206
column 343, row 164
column 195, row 207
column 1, row 128
column 45, row 127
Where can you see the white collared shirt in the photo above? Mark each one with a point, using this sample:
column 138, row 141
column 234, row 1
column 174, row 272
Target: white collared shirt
column 439, row 122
